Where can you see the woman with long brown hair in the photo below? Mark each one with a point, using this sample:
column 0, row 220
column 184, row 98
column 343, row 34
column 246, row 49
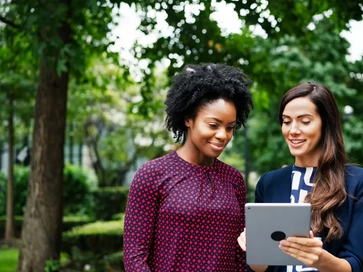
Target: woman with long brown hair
column 311, row 125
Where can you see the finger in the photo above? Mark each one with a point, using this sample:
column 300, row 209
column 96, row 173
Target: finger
column 242, row 240
column 296, row 247
column 301, row 251
column 241, row 243
column 303, row 241
column 309, row 258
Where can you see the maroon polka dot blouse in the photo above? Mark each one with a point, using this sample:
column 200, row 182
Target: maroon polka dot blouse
column 184, row 217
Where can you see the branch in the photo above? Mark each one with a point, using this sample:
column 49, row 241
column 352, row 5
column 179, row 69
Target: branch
column 9, row 23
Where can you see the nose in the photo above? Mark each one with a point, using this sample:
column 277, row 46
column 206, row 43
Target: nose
column 222, row 134
column 294, row 128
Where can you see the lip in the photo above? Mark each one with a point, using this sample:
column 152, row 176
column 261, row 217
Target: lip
column 296, row 142
column 217, row 146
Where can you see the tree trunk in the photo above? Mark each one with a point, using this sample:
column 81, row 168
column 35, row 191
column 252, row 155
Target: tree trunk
column 42, row 227
column 41, row 233
column 9, row 228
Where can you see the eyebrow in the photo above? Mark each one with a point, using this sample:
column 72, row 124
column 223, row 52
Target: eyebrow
column 299, row 116
column 220, row 121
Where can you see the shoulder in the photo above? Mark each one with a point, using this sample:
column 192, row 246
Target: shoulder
column 354, row 179
column 354, row 171
column 276, row 175
column 228, row 169
column 157, row 164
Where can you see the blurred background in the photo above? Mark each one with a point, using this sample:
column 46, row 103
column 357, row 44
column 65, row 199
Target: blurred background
column 82, row 86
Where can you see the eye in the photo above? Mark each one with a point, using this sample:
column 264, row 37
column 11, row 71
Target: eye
column 286, row 122
column 305, row 121
column 213, row 125
column 230, row 128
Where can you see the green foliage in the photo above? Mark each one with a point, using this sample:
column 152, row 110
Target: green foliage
column 3, row 181
column 352, row 128
column 292, row 17
column 21, row 175
column 18, row 223
column 70, row 222
column 96, row 245
column 116, row 132
column 110, row 201
column 115, row 260
column 287, row 62
column 78, row 184
column 98, row 237
column 52, row 266
column 95, row 262
column 296, row 50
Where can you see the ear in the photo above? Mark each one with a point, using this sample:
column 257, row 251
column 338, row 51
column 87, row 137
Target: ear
column 187, row 122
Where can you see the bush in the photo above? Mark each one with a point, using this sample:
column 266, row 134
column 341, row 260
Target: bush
column 115, row 261
column 69, row 222
column 92, row 262
column 18, row 222
column 78, row 183
column 21, row 177
column 110, row 201
column 97, row 244
column 99, row 237
column 2, row 193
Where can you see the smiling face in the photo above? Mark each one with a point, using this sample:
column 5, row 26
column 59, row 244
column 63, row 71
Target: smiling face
column 302, row 129
column 209, row 132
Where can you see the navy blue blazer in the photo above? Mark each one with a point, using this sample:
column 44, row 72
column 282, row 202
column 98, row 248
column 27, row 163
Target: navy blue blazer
column 275, row 187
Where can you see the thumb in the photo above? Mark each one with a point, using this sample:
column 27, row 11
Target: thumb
column 242, row 240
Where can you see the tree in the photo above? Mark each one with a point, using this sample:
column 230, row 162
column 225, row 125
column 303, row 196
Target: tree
column 17, row 88
column 59, row 32
column 280, row 17
column 106, row 115
column 43, row 216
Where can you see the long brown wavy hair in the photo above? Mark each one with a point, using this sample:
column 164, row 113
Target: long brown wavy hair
column 329, row 191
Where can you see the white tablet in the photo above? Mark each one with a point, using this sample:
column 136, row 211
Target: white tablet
column 269, row 223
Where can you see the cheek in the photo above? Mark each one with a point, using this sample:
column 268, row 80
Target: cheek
column 284, row 131
column 314, row 133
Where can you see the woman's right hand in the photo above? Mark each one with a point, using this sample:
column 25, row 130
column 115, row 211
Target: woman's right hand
column 242, row 243
column 242, row 240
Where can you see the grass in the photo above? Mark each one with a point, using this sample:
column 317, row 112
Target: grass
column 8, row 259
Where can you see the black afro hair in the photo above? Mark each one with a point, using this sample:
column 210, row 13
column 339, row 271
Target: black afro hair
column 198, row 85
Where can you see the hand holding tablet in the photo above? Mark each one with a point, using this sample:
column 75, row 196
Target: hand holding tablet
column 269, row 223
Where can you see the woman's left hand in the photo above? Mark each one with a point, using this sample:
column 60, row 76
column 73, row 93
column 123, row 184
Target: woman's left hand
column 307, row 250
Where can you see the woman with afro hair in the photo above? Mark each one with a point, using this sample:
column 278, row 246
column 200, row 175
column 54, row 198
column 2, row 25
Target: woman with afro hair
column 185, row 210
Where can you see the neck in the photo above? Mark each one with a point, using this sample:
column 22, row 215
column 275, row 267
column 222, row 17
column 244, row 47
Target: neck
column 194, row 157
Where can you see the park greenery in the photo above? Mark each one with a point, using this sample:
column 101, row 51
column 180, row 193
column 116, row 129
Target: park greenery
column 63, row 84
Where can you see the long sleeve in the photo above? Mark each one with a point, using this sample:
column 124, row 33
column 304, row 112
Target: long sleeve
column 181, row 216
column 139, row 221
column 240, row 191
column 352, row 221
column 352, row 250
